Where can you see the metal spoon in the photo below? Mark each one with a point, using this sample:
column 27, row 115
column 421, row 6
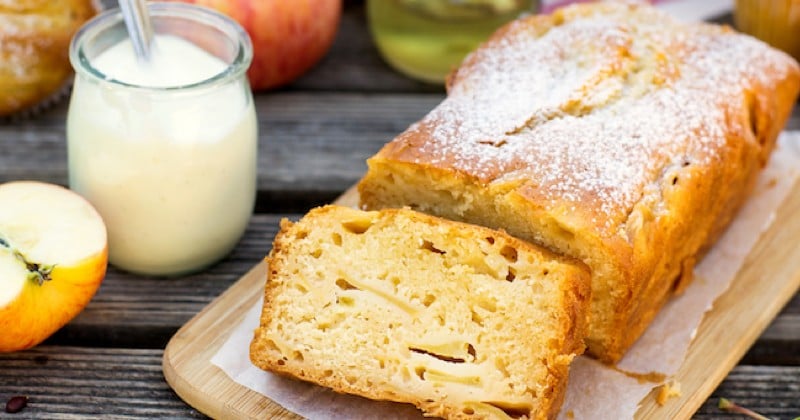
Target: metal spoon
column 140, row 29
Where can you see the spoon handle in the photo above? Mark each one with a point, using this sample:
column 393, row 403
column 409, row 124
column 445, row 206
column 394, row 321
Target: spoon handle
column 140, row 29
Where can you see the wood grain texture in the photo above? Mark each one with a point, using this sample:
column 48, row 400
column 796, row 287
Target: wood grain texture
column 723, row 337
column 144, row 312
column 769, row 390
column 79, row 383
column 312, row 146
column 187, row 366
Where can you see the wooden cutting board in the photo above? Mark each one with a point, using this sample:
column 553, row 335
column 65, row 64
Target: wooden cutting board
column 739, row 316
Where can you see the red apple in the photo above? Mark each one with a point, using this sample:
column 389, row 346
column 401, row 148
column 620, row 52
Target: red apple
column 53, row 257
column 289, row 36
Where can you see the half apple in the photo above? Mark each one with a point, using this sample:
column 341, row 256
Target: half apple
column 53, row 257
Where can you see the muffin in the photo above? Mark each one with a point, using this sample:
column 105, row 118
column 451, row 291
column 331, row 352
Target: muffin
column 34, row 49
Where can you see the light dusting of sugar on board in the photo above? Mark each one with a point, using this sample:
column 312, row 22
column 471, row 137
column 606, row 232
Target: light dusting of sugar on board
column 596, row 109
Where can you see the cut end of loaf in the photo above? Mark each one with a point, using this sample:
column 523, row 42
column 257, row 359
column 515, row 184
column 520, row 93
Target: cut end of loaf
column 392, row 184
column 459, row 320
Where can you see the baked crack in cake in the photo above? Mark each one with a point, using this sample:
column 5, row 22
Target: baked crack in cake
column 459, row 320
column 607, row 132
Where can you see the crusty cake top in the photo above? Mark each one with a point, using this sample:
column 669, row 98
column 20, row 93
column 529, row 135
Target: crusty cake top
column 588, row 106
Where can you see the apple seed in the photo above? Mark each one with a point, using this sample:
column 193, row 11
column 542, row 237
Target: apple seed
column 16, row 404
column 37, row 272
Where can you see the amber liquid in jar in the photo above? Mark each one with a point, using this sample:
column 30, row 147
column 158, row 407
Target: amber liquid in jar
column 426, row 39
column 776, row 22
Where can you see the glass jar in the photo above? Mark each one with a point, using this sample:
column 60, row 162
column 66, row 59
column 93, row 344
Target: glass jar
column 426, row 39
column 776, row 22
column 165, row 150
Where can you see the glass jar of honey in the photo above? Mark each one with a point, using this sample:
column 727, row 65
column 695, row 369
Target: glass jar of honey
column 426, row 39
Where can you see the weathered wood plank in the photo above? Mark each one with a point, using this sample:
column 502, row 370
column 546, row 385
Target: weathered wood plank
column 319, row 142
column 74, row 382
column 780, row 342
column 311, row 146
column 144, row 312
column 773, row 391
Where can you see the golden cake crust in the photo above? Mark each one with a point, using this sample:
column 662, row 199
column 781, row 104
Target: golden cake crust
column 607, row 132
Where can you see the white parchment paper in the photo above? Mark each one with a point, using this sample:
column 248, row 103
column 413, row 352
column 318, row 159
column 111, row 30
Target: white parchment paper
column 595, row 391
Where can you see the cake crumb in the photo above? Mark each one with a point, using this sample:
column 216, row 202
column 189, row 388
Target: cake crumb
column 669, row 390
column 772, row 182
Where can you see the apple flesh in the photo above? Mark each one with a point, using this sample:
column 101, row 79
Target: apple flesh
column 53, row 258
column 289, row 37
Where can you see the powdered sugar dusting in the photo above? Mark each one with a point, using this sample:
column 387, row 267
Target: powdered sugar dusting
column 595, row 109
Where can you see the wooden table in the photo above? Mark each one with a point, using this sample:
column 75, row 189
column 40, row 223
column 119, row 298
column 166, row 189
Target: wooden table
column 314, row 138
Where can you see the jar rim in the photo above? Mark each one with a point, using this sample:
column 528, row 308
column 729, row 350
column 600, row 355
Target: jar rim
column 108, row 19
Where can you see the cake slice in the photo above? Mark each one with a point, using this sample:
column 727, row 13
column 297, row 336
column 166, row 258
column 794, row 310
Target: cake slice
column 459, row 320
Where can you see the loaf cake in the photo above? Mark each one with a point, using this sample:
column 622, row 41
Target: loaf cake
column 607, row 132
column 459, row 320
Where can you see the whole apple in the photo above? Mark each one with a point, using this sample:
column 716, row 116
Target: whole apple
column 289, row 36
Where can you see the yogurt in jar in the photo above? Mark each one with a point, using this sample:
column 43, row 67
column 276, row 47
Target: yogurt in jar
column 165, row 153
